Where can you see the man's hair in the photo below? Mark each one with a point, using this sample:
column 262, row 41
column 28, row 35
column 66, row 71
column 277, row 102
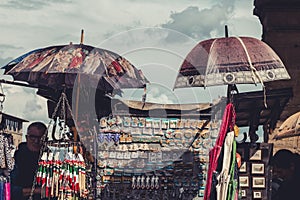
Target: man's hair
column 283, row 158
column 39, row 125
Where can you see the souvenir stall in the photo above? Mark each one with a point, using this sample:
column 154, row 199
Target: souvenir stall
column 58, row 72
column 143, row 153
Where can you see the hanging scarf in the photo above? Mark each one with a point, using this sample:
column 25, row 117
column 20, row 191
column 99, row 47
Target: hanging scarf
column 233, row 183
column 228, row 122
column 224, row 176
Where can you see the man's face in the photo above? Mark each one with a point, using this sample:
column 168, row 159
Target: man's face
column 33, row 138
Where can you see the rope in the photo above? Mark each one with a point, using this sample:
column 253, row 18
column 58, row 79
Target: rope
column 209, row 61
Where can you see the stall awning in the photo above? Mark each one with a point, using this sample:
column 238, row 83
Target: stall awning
column 251, row 111
column 140, row 109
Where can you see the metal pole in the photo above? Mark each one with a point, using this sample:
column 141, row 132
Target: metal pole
column 17, row 83
column 81, row 38
column 226, row 31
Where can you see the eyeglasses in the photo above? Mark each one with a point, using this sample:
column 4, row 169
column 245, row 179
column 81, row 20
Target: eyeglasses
column 33, row 137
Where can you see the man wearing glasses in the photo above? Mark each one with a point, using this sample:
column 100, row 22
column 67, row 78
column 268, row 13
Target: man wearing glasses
column 26, row 163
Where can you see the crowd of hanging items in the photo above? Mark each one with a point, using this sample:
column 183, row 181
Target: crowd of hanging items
column 62, row 171
column 145, row 182
column 6, row 151
column 62, row 175
column 6, row 127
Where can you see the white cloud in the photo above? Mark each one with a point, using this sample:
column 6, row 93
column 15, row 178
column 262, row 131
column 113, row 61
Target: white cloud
column 201, row 23
column 159, row 52
column 24, row 103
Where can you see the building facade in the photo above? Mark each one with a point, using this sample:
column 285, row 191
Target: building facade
column 12, row 125
column 280, row 21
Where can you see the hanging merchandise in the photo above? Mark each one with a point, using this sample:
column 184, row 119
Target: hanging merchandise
column 4, row 187
column 224, row 176
column 232, row 192
column 158, row 158
column 62, row 171
column 6, row 165
column 6, row 151
column 219, row 173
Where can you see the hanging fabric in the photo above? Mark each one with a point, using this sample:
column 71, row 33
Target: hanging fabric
column 228, row 122
column 4, row 188
column 232, row 193
column 224, row 176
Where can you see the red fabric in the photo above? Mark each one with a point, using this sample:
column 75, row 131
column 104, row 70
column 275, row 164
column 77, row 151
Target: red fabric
column 77, row 60
column 117, row 66
column 228, row 122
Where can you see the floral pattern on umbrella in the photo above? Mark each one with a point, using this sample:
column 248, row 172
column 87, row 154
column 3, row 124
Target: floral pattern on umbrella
column 58, row 66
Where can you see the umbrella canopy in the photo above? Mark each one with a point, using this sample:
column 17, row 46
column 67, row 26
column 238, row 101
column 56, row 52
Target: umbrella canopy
column 230, row 60
column 290, row 127
column 58, row 67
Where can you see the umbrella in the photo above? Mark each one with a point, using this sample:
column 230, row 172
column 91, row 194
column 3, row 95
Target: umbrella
column 228, row 61
column 290, row 127
column 58, row 67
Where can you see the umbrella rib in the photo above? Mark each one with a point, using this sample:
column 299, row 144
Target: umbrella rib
column 253, row 70
column 208, row 61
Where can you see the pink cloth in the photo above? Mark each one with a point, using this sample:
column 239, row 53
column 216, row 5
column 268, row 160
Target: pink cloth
column 7, row 191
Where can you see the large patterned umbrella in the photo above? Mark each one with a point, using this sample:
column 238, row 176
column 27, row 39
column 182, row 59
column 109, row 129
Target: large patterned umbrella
column 61, row 69
column 58, row 67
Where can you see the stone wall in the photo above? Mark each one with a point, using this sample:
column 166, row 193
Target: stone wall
column 280, row 20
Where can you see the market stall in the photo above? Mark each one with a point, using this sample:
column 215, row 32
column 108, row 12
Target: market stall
column 119, row 149
column 230, row 61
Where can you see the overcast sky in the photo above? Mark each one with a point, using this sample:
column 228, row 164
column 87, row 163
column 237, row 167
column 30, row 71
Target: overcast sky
column 154, row 35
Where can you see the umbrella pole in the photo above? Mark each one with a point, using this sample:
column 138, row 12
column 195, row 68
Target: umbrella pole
column 81, row 38
column 226, row 31
column 76, row 107
column 77, row 96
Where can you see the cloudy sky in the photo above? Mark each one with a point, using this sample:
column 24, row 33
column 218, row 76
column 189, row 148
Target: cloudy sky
column 153, row 35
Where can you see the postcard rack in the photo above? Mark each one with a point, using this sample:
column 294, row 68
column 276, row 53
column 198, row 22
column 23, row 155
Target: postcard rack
column 255, row 172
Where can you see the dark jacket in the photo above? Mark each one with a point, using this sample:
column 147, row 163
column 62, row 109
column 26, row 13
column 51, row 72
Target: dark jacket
column 26, row 163
column 288, row 190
